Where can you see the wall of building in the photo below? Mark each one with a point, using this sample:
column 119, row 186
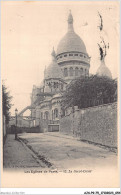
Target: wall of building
column 96, row 124
column 20, row 122
column 44, row 125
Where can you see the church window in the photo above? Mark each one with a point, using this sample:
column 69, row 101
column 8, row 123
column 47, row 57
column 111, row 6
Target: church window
column 81, row 70
column 65, row 72
column 81, row 55
column 76, row 71
column 60, row 56
column 46, row 115
column 85, row 72
column 65, row 55
column 56, row 113
column 52, row 115
column 71, row 71
column 76, row 54
column 70, row 54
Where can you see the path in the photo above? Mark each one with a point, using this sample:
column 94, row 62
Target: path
column 67, row 152
column 16, row 155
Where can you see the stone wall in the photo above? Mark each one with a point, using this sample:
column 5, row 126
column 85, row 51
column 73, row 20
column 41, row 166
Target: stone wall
column 96, row 124
column 12, row 129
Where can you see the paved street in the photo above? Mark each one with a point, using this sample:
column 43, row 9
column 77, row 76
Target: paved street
column 17, row 156
column 67, row 152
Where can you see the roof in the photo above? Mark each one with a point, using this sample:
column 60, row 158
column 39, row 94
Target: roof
column 103, row 70
column 71, row 42
column 53, row 70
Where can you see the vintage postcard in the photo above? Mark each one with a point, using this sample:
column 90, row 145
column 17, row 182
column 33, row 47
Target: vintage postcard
column 60, row 97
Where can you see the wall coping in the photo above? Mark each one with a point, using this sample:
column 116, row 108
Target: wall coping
column 91, row 108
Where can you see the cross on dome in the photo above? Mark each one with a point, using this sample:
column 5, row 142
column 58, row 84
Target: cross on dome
column 70, row 21
column 70, row 18
column 71, row 42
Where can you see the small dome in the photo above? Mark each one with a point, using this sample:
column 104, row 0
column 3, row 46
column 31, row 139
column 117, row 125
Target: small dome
column 53, row 70
column 71, row 42
column 103, row 70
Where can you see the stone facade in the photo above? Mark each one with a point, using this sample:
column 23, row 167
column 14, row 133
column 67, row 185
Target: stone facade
column 70, row 61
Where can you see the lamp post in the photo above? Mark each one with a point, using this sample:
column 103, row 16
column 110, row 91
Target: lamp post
column 16, row 112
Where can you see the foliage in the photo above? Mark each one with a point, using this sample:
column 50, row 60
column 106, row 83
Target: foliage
column 6, row 102
column 90, row 91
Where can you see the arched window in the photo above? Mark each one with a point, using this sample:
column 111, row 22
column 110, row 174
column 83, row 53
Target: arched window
column 76, row 54
column 52, row 115
column 70, row 54
column 56, row 113
column 81, row 71
column 76, row 71
column 46, row 115
column 71, row 71
column 65, row 72
column 65, row 55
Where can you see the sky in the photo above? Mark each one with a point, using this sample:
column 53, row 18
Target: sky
column 30, row 29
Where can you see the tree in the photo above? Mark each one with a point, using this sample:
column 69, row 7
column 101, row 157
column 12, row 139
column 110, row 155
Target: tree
column 90, row 91
column 6, row 102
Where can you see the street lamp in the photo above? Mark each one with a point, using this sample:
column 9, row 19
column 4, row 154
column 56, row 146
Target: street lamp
column 16, row 112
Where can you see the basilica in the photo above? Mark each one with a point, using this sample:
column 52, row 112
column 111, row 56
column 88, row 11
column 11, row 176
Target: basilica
column 70, row 61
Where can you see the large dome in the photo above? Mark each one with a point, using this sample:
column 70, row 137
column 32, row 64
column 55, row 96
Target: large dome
column 71, row 42
column 53, row 70
column 103, row 70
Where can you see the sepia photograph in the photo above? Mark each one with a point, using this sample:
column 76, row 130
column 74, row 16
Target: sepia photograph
column 60, row 94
